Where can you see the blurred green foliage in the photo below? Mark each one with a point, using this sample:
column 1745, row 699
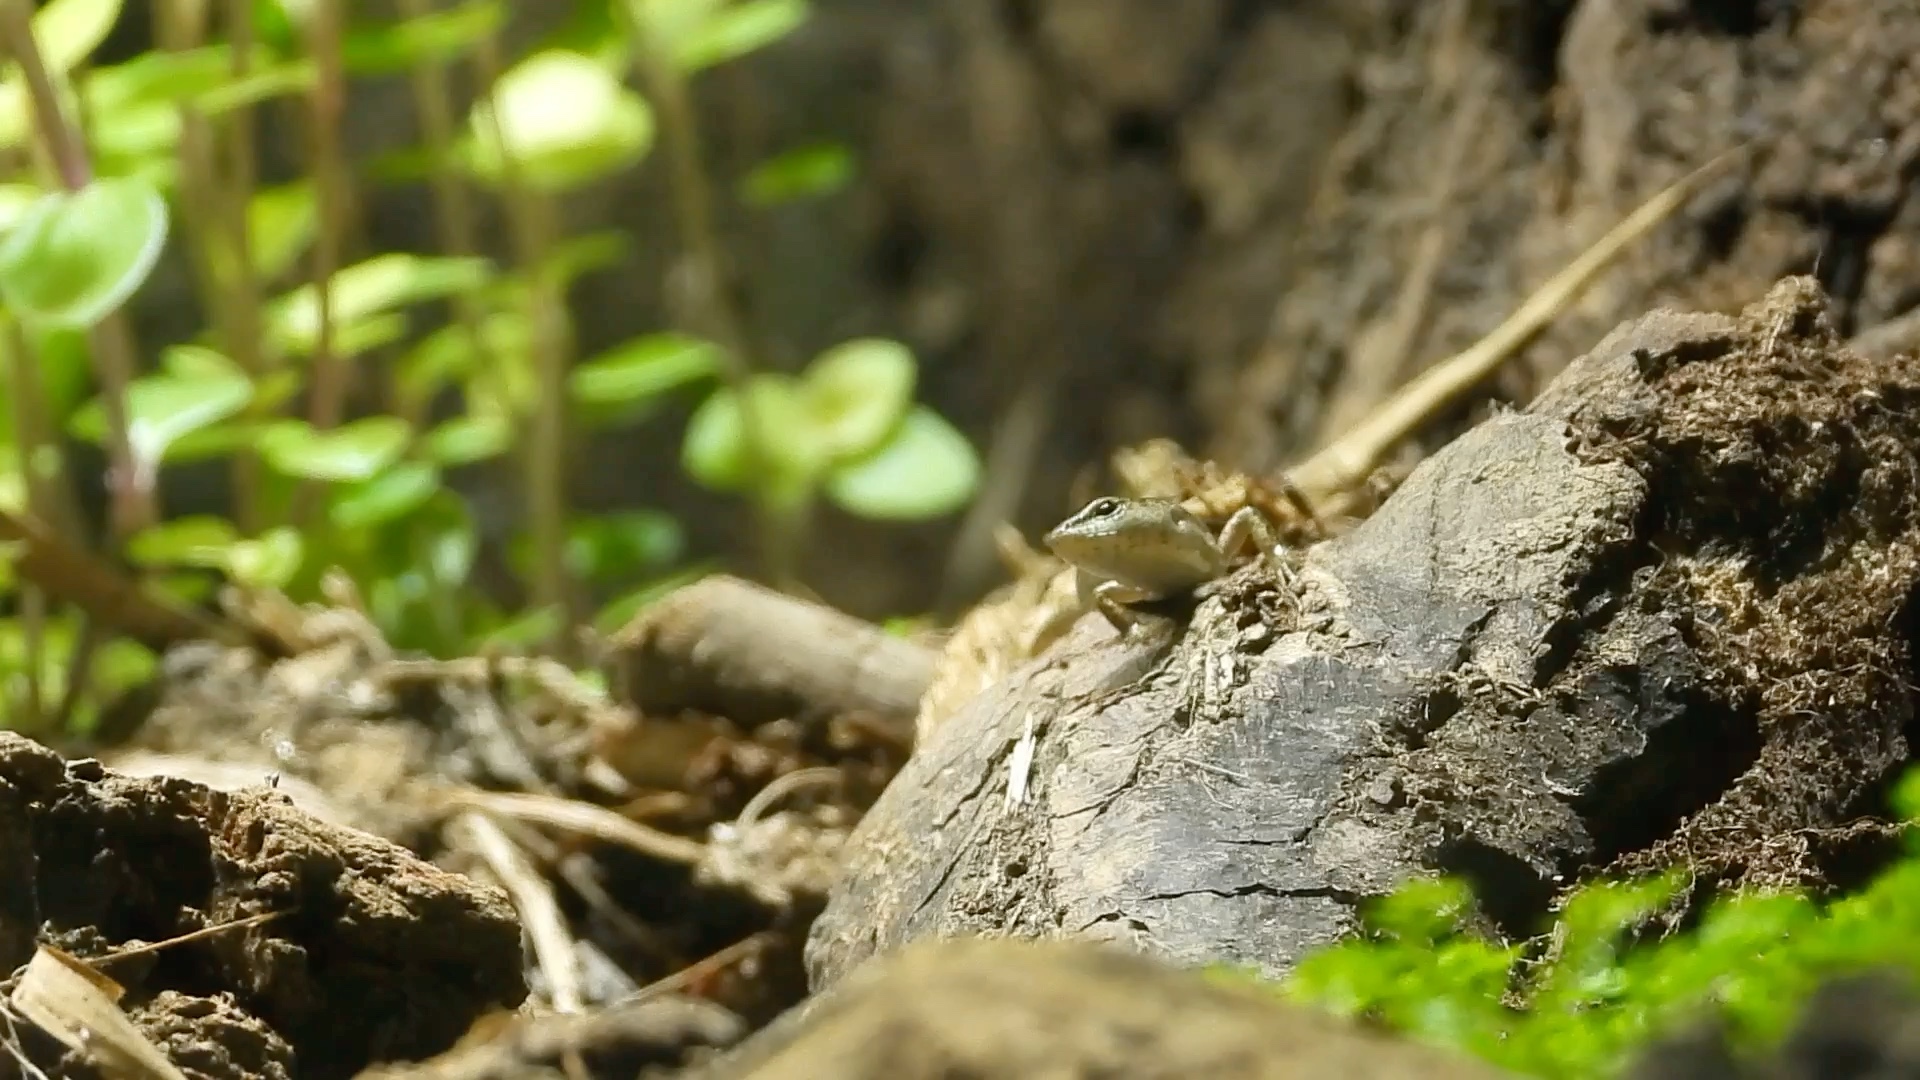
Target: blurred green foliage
column 471, row 356
column 1595, row 988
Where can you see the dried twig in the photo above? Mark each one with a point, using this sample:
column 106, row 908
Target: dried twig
column 1345, row 464
column 731, row 648
column 532, row 897
column 80, row 577
column 584, row 819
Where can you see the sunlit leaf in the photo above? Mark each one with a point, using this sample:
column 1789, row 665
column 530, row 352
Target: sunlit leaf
column 374, row 287
column 200, row 541
column 740, row 28
column 265, row 84
column 857, row 393
column 642, row 369
column 393, row 494
column 564, row 119
column 409, row 43
column 164, row 409
column 806, row 173
column 715, row 451
column 15, row 202
column 198, row 362
column 281, row 222
column 67, row 31
column 450, row 354
column 352, row 452
column 268, row 561
column 467, row 439
column 927, row 470
column 75, row 257
column 526, row 630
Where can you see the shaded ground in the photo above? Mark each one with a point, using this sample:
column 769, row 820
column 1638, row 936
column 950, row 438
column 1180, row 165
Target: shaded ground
column 1243, row 223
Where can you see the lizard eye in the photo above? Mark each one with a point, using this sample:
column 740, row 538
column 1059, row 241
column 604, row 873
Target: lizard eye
column 1103, row 507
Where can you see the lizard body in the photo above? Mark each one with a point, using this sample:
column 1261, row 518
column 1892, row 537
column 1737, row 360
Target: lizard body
column 1125, row 551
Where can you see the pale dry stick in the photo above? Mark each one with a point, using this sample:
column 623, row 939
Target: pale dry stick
column 781, row 787
column 191, row 936
column 584, row 819
column 1345, row 463
column 699, row 969
column 533, row 899
column 1382, row 353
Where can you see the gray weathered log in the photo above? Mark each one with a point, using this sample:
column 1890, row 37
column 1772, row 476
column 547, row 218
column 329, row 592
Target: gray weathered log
column 1571, row 640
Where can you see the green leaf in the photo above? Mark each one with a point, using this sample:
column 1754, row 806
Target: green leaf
column 563, row 118
column 202, row 541
column 15, row 202
column 373, row 288
column 526, row 630
column 642, row 369
column 467, row 439
column 806, row 173
column 857, row 393
column 391, row 495
column 620, row 547
column 352, row 452
column 75, row 257
column 268, row 561
column 410, row 43
column 134, row 107
column 448, row 354
column 927, row 470
column 67, row 31
column 198, row 362
column 737, row 29
column 281, row 222
column 164, row 409
column 448, row 540
column 715, row 451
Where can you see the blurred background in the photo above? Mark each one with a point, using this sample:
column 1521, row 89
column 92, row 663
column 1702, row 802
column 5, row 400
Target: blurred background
column 1005, row 237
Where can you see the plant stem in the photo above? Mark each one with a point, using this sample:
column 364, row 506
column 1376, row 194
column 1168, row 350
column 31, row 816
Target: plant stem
column 704, row 294
column 223, row 274
column 244, row 345
column 532, row 218
column 327, row 393
column 452, row 206
column 48, row 496
column 134, row 502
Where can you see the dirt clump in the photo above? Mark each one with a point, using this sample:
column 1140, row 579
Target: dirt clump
column 373, row 954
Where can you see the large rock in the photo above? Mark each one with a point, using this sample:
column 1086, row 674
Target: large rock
column 1662, row 613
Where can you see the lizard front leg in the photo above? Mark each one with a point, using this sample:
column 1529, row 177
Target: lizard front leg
column 1110, row 598
column 1249, row 526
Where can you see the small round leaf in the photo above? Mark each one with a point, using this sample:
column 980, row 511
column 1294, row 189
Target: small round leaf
column 391, row 495
column 164, row 409
column 269, row 561
column 715, row 451
column 642, row 369
column 72, row 258
column 858, row 392
column 352, row 452
column 806, row 173
column 464, row 440
column 564, row 119
column 201, row 540
column 928, row 469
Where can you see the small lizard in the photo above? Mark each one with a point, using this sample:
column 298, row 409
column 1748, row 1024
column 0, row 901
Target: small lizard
column 1129, row 550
